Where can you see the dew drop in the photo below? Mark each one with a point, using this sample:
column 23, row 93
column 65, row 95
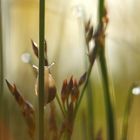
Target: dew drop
column 78, row 11
column 136, row 90
column 26, row 57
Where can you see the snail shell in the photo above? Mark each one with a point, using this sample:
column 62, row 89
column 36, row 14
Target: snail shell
column 49, row 87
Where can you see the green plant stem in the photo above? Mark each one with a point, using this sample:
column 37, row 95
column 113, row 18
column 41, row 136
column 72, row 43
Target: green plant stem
column 105, row 81
column 95, row 53
column 100, row 11
column 41, row 68
column 108, row 104
column 83, row 90
column 128, row 106
column 90, row 110
column 60, row 105
column 89, row 93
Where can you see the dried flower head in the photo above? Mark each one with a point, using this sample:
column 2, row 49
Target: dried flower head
column 26, row 107
column 70, row 91
column 69, row 95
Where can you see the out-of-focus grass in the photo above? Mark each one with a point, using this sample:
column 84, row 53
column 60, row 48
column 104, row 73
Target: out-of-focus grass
column 127, row 111
column 1, row 53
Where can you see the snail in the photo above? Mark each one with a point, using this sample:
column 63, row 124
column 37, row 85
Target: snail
column 49, row 85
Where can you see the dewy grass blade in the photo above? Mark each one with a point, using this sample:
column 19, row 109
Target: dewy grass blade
column 41, row 68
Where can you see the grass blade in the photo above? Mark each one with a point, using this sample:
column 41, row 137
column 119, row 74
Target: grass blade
column 108, row 103
column 90, row 110
column 127, row 111
column 105, row 79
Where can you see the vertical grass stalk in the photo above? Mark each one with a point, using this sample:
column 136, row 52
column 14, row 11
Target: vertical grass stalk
column 105, row 79
column 41, row 68
column 100, row 11
column 90, row 110
column 108, row 103
column 127, row 110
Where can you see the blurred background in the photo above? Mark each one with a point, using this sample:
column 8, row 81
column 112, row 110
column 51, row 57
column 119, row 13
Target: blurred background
column 66, row 47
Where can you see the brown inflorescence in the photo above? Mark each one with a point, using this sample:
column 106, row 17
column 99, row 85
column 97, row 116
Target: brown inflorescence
column 69, row 92
column 70, row 95
column 26, row 107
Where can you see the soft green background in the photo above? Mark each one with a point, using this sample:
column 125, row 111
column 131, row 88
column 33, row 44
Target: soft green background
column 64, row 34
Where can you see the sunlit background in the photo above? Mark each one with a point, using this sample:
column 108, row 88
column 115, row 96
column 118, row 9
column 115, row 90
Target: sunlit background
column 66, row 47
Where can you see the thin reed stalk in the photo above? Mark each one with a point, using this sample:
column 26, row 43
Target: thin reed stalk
column 107, row 98
column 89, row 96
column 90, row 110
column 60, row 105
column 41, row 68
column 95, row 53
column 127, row 110
column 105, row 79
column 82, row 92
